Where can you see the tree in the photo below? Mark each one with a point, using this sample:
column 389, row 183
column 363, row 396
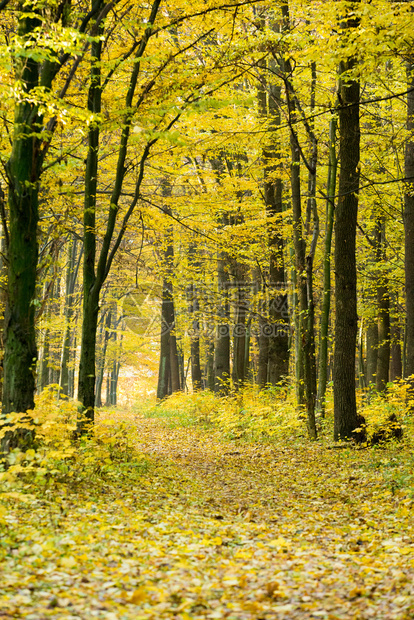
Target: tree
column 38, row 54
column 409, row 222
column 345, row 413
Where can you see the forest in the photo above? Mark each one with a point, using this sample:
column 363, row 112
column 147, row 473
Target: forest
column 206, row 309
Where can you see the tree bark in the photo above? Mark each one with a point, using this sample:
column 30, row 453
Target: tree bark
column 106, row 326
column 169, row 372
column 383, row 302
column 71, row 277
column 222, row 344
column 345, row 411
column 23, row 173
column 194, row 309
column 87, row 371
column 396, row 357
column 305, row 349
column 326, row 292
column 239, row 332
column 94, row 280
column 409, row 226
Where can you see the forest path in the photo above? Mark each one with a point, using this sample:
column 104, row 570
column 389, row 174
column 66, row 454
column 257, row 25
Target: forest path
column 183, row 525
column 328, row 535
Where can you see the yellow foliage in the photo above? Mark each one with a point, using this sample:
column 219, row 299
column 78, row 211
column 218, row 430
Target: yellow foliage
column 380, row 409
column 250, row 413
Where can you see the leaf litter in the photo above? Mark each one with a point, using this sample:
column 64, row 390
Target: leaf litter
column 214, row 529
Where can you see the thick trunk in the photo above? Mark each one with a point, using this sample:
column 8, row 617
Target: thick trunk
column 23, row 172
column 345, row 411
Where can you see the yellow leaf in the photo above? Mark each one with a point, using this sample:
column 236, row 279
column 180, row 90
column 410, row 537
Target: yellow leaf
column 68, row 562
column 279, row 542
column 139, row 596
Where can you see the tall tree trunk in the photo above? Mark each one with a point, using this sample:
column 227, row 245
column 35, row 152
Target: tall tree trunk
column 278, row 347
column 383, row 301
column 87, row 372
column 93, row 281
column 239, row 332
column 309, row 352
column 71, row 278
column 209, row 372
column 23, row 172
column 169, row 373
column 3, row 281
column 372, row 351
column 396, row 371
column 106, row 326
column 194, row 309
column 345, row 412
column 273, row 337
column 326, row 293
column 306, row 375
column 409, row 227
column 263, row 332
column 396, row 357
column 222, row 344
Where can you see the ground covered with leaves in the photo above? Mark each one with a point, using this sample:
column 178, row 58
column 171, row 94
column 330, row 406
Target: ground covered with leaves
column 179, row 523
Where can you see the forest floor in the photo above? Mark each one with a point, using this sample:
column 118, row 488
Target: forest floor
column 194, row 526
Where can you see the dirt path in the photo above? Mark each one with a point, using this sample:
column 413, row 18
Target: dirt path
column 341, row 537
column 211, row 529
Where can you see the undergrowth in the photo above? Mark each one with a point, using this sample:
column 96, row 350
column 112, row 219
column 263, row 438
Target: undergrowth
column 106, row 454
column 272, row 415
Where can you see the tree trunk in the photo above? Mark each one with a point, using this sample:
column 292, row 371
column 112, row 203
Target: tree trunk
column 396, row 357
column 106, row 326
column 345, row 412
column 3, row 281
column 277, row 348
column 23, row 172
column 306, row 374
column 91, row 288
column 409, row 227
column 71, row 277
column 309, row 353
column 169, row 372
column 194, row 309
column 383, row 302
column 239, row 333
column 326, row 293
column 209, row 373
column 372, row 352
column 222, row 344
